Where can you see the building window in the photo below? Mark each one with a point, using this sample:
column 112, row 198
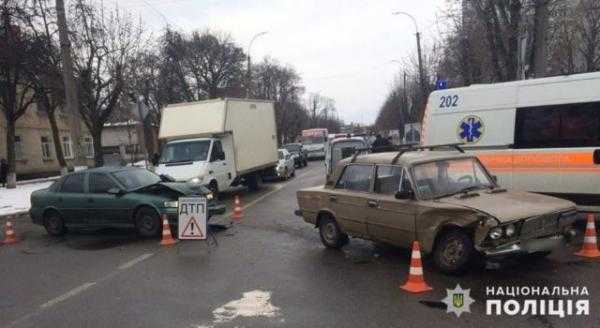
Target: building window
column 87, row 144
column 18, row 148
column 46, row 155
column 67, row 146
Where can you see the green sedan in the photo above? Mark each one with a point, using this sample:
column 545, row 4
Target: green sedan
column 113, row 197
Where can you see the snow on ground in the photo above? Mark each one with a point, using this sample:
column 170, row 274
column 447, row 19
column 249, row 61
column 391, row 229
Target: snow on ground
column 17, row 200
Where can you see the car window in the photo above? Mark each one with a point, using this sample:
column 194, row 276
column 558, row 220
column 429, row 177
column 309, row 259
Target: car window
column 100, row 183
column 73, row 183
column 388, row 179
column 217, row 150
column 405, row 182
column 356, row 177
column 134, row 179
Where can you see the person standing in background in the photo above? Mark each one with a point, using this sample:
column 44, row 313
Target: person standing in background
column 3, row 171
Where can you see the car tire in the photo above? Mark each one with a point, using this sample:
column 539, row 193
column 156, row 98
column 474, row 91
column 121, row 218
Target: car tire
column 54, row 224
column 147, row 222
column 453, row 252
column 330, row 233
column 213, row 186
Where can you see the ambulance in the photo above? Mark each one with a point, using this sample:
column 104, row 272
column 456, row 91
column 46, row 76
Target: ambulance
column 540, row 135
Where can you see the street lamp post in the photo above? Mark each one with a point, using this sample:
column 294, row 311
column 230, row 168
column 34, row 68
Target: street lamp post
column 420, row 59
column 249, row 68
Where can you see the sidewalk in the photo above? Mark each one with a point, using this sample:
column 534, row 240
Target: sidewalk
column 16, row 201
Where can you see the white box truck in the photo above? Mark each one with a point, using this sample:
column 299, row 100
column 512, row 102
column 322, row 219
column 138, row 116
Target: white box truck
column 220, row 143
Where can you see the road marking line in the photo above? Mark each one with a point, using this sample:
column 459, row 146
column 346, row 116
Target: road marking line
column 67, row 295
column 135, row 261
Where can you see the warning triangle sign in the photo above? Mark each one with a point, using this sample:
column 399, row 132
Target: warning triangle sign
column 192, row 229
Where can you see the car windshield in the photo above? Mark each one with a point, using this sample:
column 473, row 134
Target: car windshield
column 185, row 152
column 448, row 177
column 135, row 179
column 345, row 149
column 293, row 148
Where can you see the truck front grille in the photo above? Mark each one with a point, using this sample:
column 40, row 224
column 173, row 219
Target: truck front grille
column 539, row 226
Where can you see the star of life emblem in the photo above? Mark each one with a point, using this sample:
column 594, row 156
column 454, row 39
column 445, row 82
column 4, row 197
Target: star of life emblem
column 458, row 300
column 470, row 129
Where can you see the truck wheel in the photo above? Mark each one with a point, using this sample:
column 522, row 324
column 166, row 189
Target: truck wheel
column 54, row 224
column 147, row 222
column 331, row 235
column 453, row 252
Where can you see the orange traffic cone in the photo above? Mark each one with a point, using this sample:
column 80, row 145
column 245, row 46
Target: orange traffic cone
column 416, row 283
column 590, row 245
column 237, row 209
column 9, row 234
column 167, row 237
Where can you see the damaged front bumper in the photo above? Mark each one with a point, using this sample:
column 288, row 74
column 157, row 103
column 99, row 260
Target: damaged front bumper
column 530, row 246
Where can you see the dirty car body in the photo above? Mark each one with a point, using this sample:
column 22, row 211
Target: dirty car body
column 113, row 197
column 446, row 200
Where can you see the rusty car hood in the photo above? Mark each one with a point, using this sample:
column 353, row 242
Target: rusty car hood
column 510, row 205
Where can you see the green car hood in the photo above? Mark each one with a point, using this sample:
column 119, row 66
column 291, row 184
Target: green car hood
column 183, row 188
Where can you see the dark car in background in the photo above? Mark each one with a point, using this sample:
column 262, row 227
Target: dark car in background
column 298, row 152
column 113, row 197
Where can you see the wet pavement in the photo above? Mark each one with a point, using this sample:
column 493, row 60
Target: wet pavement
column 269, row 270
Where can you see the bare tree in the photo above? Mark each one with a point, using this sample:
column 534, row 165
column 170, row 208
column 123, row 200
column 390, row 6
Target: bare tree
column 16, row 93
column 214, row 62
column 106, row 43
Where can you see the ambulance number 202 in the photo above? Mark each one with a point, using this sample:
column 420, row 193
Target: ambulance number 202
column 448, row 101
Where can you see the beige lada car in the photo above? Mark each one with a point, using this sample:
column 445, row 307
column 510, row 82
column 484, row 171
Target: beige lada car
column 446, row 200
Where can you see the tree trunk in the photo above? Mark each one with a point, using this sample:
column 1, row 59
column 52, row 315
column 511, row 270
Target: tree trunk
column 97, row 139
column 71, row 101
column 60, row 156
column 11, row 178
column 537, row 61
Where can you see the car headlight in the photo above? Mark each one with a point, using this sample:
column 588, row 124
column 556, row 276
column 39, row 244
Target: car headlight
column 510, row 230
column 196, row 180
column 496, row 233
column 171, row 204
column 209, row 196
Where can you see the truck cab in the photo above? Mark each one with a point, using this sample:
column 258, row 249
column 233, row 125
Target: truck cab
column 200, row 161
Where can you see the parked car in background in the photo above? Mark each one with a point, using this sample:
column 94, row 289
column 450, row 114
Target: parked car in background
column 446, row 200
column 113, row 197
column 298, row 153
column 314, row 141
column 285, row 167
column 340, row 148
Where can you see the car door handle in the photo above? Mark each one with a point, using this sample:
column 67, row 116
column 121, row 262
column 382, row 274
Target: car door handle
column 333, row 198
column 372, row 203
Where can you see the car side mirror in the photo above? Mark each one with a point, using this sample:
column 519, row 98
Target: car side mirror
column 597, row 156
column 405, row 194
column 116, row 191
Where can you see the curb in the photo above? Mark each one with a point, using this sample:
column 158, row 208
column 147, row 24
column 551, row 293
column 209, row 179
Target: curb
column 17, row 215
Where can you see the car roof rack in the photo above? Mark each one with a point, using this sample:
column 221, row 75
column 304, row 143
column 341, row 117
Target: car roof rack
column 408, row 147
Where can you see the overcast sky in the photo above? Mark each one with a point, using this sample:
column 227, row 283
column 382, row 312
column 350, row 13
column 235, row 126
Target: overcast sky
column 341, row 48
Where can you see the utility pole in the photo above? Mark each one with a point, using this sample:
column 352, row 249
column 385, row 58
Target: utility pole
column 71, row 100
column 422, row 84
column 249, row 68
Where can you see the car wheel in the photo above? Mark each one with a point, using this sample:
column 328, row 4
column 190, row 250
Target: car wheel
column 147, row 222
column 453, row 252
column 54, row 224
column 213, row 186
column 331, row 235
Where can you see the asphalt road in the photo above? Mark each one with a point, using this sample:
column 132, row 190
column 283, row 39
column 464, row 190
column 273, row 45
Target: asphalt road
column 269, row 270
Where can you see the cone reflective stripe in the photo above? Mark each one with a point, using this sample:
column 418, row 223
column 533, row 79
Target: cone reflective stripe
column 416, row 283
column 167, row 237
column 590, row 240
column 237, row 209
column 9, row 234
